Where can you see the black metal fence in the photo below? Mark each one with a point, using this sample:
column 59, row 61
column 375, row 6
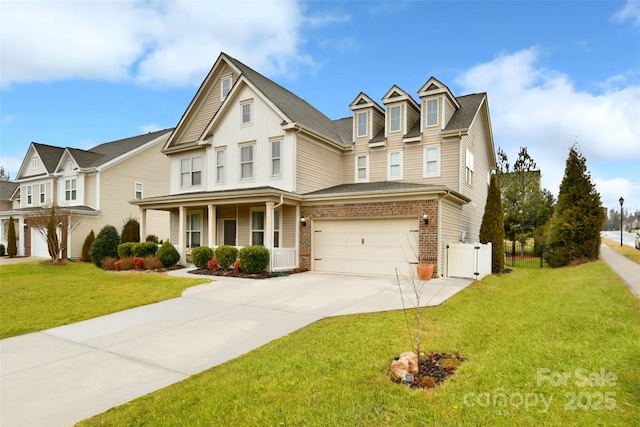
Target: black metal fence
column 526, row 255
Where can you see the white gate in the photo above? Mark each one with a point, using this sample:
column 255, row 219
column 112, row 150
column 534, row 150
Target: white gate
column 468, row 260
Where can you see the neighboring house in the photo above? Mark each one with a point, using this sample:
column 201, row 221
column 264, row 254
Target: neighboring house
column 7, row 188
column 96, row 185
column 254, row 164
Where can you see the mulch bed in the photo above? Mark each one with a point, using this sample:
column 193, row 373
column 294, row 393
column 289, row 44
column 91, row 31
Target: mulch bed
column 434, row 369
column 241, row 274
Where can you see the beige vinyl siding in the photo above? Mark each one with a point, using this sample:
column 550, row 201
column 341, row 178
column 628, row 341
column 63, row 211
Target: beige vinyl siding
column 413, row 116
column 318, row 165
column 202, row 113
column 412, row 162
column 449, row 165
column 431, row 133
column 394, row 139
column 174, row 217
column 244, row 227
column 90, row 193
column 378, row 164
column 348, row 166
column 378, row 121
column 450, row 228
column 288, row 226
column 449, row 110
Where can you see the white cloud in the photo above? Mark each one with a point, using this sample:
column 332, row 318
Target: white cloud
column 171, row 42
column 611, row 191
column 150, row 128
column 542, row 110
column 630, row 11
column 7, row 118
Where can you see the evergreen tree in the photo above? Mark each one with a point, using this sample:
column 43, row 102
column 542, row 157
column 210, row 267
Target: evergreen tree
column 12, row 244
column 105, row 245
column 574, row 231
column 492, row 228
column 86, row 247
column 131, row 231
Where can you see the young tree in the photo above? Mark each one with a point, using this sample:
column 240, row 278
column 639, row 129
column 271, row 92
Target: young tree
column 492, row 227
column 86, row 247
column 47, row 221
column 105, row 245
column 574, row 231
column 131, row 231
column 4, row 175
column 12, row 244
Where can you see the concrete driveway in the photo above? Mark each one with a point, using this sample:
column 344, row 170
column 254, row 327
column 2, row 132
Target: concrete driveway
column 62, row 375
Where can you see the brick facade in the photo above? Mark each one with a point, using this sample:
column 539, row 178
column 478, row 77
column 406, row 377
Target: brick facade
column 428, row 234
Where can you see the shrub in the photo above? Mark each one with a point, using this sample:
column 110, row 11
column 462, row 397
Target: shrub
column 2, row 249
column 105, row 245
column 213, row 265
column 131, row 230
column 145, row 249
column 108, row 263
column 168, row 255
column 201, row 255
column 226, row 255
column 125, row 264
column 125, row 250
column 86, row 247
column 152, row 238
column 253, row 259
column 152, row 263
column 138, row 262
column 236, row 267
column 12, row 243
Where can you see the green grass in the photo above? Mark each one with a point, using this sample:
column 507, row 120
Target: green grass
column 632, row 253
column 36, row 296
column 333, row 373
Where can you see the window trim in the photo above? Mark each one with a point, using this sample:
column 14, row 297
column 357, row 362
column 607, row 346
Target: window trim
column 425, row 161
column 366, row 168
column 252, row 230
column 136, row 191
column 73, row 190
column 191, row 172
column 42, row 194
column 468, row 170
column 437, row 104
column 399, row 109
column 390, row 165
column 364, row 114
column 221, row 168
column 189, row 230
column 252, row 161
column 223, row 95
column 35, row 163
column 278, row 158
column 249, row 113
column 29, row 195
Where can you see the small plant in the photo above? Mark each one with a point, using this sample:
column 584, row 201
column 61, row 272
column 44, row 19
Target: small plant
column 152, row 238
column 226, row 255
column 152, row 263
column 86, row 247
column 200, row 256
column 125, row 250
column 236, row 267
column 108, row 263
column 144, row 249
column 105, row 245
column 253, row 259
column 2, row 249
column 168, row 255
column 131, row 230
column 213, row 265
column 138, row 262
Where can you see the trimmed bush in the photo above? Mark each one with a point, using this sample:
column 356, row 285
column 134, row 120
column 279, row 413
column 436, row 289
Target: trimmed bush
column 152, row 238
column 125, row 250
column 2, row 249
column 253, row 259
column 200, row 256
column 86, row 247
column 12, row 242
column 226, row 255
column 105, row 245
column 145, row 249
column 131, row 230
column 152, row 263
column 168, row 255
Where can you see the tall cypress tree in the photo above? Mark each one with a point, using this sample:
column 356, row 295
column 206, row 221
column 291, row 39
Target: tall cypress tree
column 492, row 228
column 574, row 232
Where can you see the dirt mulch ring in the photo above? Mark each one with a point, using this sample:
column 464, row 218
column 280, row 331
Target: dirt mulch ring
column 434, row 369
column 243, row 275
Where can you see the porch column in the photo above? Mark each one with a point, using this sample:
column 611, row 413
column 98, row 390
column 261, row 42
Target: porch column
column 212, row 216
column 268, row 231
column 21, row 238
column 143, row 224
column 182, row 234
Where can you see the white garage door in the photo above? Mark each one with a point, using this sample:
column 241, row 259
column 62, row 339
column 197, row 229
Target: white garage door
column 38, row 244
column 365, row 246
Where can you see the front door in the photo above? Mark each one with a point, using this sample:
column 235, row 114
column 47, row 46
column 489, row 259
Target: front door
column 229, row 232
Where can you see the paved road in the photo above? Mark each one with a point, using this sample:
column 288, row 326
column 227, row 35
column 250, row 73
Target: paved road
column 628, row 239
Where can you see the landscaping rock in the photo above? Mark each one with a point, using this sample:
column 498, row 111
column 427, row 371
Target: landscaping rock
column 406, row 363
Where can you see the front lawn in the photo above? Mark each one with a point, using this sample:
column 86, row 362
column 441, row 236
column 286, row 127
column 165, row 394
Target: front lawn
column 544, row 347
column 36, row 296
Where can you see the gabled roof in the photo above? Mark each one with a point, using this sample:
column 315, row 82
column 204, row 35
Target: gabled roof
column 434, row 86
column 363, row 101
column 463, row 117
column 49, row 155
column 396, row 94
column 344, row 127
column 104, row 153
column 6, row 189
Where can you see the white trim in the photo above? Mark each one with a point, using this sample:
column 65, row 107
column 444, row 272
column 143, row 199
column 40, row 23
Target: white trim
column 222, row 150
column 279, row 158
column 389, row 165
column 366, row 130
column 222, row 80
column 426, row 173
column 135, row 190
column 426, row 120
column 357, row 175
column 253, row 162
column 246, row 103
column 264, row 224
column 188, row 228
column 399, row 107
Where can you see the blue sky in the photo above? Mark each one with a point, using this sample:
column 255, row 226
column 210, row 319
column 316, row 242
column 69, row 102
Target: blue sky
column 79, row 74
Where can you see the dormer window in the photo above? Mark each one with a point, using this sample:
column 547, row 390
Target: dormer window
column 394, row 113
column 432, row 112
column 226, row 87
column 362, row 124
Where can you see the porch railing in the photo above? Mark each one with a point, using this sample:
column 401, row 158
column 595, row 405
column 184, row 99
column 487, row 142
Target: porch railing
column 284, row 259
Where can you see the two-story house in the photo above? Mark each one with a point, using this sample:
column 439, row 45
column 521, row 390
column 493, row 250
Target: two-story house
column 95, row 185
column 254, row 164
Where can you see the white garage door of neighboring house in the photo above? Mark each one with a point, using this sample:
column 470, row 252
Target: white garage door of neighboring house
column 39, row 246
column 365, row 246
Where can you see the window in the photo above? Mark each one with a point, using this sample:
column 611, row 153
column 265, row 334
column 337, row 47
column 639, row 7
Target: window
column 220, row 165
column 43, row 194
column 70, row 190
column 275, row 158
column 246, row 113
column 257, row 228
column 246, row 161
column 362, row 124
column 362, row 168
column 194, row 230
column 35, row 163
column 29, row 195
column 395, row 165
column 432, row 112
column 431, row 161
column 138, row 190
column 276, row 229
column 395, row 119
column 191, row 171
column 226, row 87
column 469, row 168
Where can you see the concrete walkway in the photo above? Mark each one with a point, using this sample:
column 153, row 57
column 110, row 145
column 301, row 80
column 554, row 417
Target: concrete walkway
column 62, row 375
column 628, row 270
